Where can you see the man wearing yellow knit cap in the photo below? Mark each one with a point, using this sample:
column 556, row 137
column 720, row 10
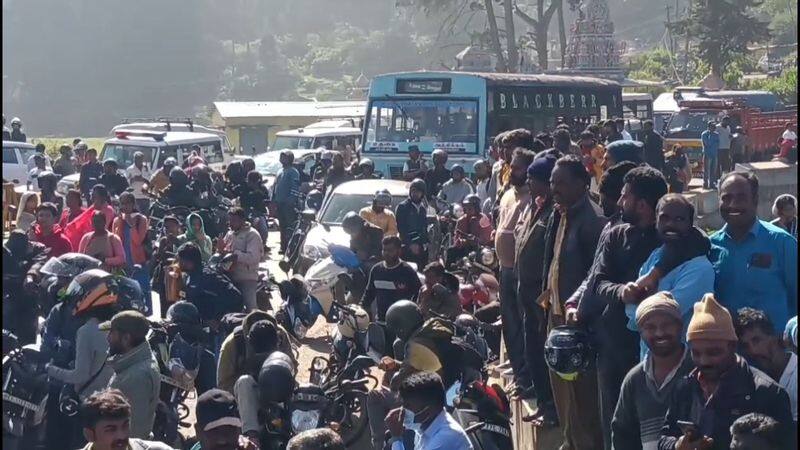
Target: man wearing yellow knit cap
column 722, row 387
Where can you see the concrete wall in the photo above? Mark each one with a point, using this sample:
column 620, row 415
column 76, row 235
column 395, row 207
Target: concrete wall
column 774, row 177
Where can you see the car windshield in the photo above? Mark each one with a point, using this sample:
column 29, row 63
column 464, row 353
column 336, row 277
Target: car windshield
column 695, row 121
column 123, row 154
column 440, row 121
column 341, row 204
column 292, row 142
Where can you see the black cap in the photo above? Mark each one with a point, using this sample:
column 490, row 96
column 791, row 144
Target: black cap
column 217, row 408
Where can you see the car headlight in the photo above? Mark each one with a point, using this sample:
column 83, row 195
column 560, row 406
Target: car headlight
column 304, row 420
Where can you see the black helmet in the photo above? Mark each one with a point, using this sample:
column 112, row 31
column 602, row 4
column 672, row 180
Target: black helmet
column 184, row 313
column 69, row 265
column 177, row 177
column 472, row 200
column 568, row 351
column 352, row 222
column 403, row 318
column 314, row 199
column 276, row 378
column 419, row 185
column 130, row 295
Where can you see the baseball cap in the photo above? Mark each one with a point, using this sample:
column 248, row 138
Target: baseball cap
column 217, row 408
column 130, row 322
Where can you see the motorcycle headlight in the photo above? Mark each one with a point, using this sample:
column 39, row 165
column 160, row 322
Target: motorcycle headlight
column 312, row 252
column 304, row 420
column 487, row 257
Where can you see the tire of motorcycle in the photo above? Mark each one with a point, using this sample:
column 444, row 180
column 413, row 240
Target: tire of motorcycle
column 351, row 414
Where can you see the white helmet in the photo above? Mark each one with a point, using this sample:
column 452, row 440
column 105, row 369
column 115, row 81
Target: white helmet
column 16, row 121
column 352, row 321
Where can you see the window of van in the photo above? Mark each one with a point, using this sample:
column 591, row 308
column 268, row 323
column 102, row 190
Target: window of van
column 123, row 153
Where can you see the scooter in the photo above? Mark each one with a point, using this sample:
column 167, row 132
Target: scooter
column 330, row 279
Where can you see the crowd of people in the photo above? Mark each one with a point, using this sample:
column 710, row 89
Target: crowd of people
column 692, row 337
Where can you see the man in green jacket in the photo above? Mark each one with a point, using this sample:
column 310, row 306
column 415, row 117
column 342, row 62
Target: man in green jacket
column 136, row 371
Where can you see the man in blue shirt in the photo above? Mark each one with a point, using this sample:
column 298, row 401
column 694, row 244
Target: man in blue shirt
column 710, row 139
column 286, row 194
column 755, row 261
column 423, row 412
column 689, row 281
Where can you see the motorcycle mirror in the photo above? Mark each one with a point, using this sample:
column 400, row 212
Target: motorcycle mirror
column 309, row 215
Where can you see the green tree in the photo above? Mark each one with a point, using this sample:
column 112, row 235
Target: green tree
column 722, row 29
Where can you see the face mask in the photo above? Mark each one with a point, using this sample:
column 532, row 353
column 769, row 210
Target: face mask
column 409, row 420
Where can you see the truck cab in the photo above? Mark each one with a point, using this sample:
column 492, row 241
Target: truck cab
column 156, row 146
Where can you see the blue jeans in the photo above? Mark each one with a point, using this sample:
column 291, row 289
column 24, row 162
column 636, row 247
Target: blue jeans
column 142, row 276
column 710, row 171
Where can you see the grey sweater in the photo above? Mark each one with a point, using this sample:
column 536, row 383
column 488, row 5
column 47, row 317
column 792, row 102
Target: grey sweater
column 642, row 406
column 91, row 351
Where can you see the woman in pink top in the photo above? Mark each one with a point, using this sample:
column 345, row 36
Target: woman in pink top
column 103, row 245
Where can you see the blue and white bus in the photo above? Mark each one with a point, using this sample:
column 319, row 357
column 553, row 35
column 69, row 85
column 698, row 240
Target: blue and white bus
column 461, row 112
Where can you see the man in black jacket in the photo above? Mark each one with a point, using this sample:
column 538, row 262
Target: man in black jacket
column 213, row 294
column 412, row 224
column 722, row 388
column 653, row 146
column 115, row 182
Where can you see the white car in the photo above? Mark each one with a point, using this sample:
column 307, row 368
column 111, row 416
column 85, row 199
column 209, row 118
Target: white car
column 268, row 164
column 15, row 161
column 350, row 196
column 174, row 125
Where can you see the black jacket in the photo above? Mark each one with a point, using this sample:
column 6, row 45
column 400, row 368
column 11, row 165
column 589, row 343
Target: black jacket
column 115, row 183
column 742, row 390
column 412, row 222
column 90, row 173
column 653, row 149
column 368, row 242
column 213, row 294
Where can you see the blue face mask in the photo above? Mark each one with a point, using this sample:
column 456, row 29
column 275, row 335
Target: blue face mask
column 409, row 420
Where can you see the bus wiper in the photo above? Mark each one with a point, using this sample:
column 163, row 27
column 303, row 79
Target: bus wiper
column 397, row 105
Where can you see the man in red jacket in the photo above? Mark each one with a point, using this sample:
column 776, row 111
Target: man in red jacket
column 47, row 232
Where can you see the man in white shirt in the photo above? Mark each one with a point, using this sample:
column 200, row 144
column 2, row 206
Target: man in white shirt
column 138, row 175
column 725, row 133
column 423, row 412
column 621, row 128
column 763, row 346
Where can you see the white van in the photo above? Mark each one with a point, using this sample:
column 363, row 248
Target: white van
column 172, row 125
column 330, row 134
column 156, row 146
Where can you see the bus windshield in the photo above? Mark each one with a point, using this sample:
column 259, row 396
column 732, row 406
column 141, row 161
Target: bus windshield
column 448, row 124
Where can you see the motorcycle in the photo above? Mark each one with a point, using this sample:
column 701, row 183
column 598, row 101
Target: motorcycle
column 179, row 363
column 332, row 397
column 25, row 393
column 291, row 257
column 479, row 286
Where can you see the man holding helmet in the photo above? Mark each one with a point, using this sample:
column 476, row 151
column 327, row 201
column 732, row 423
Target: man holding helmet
column 380, row 213
column 412, row 224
